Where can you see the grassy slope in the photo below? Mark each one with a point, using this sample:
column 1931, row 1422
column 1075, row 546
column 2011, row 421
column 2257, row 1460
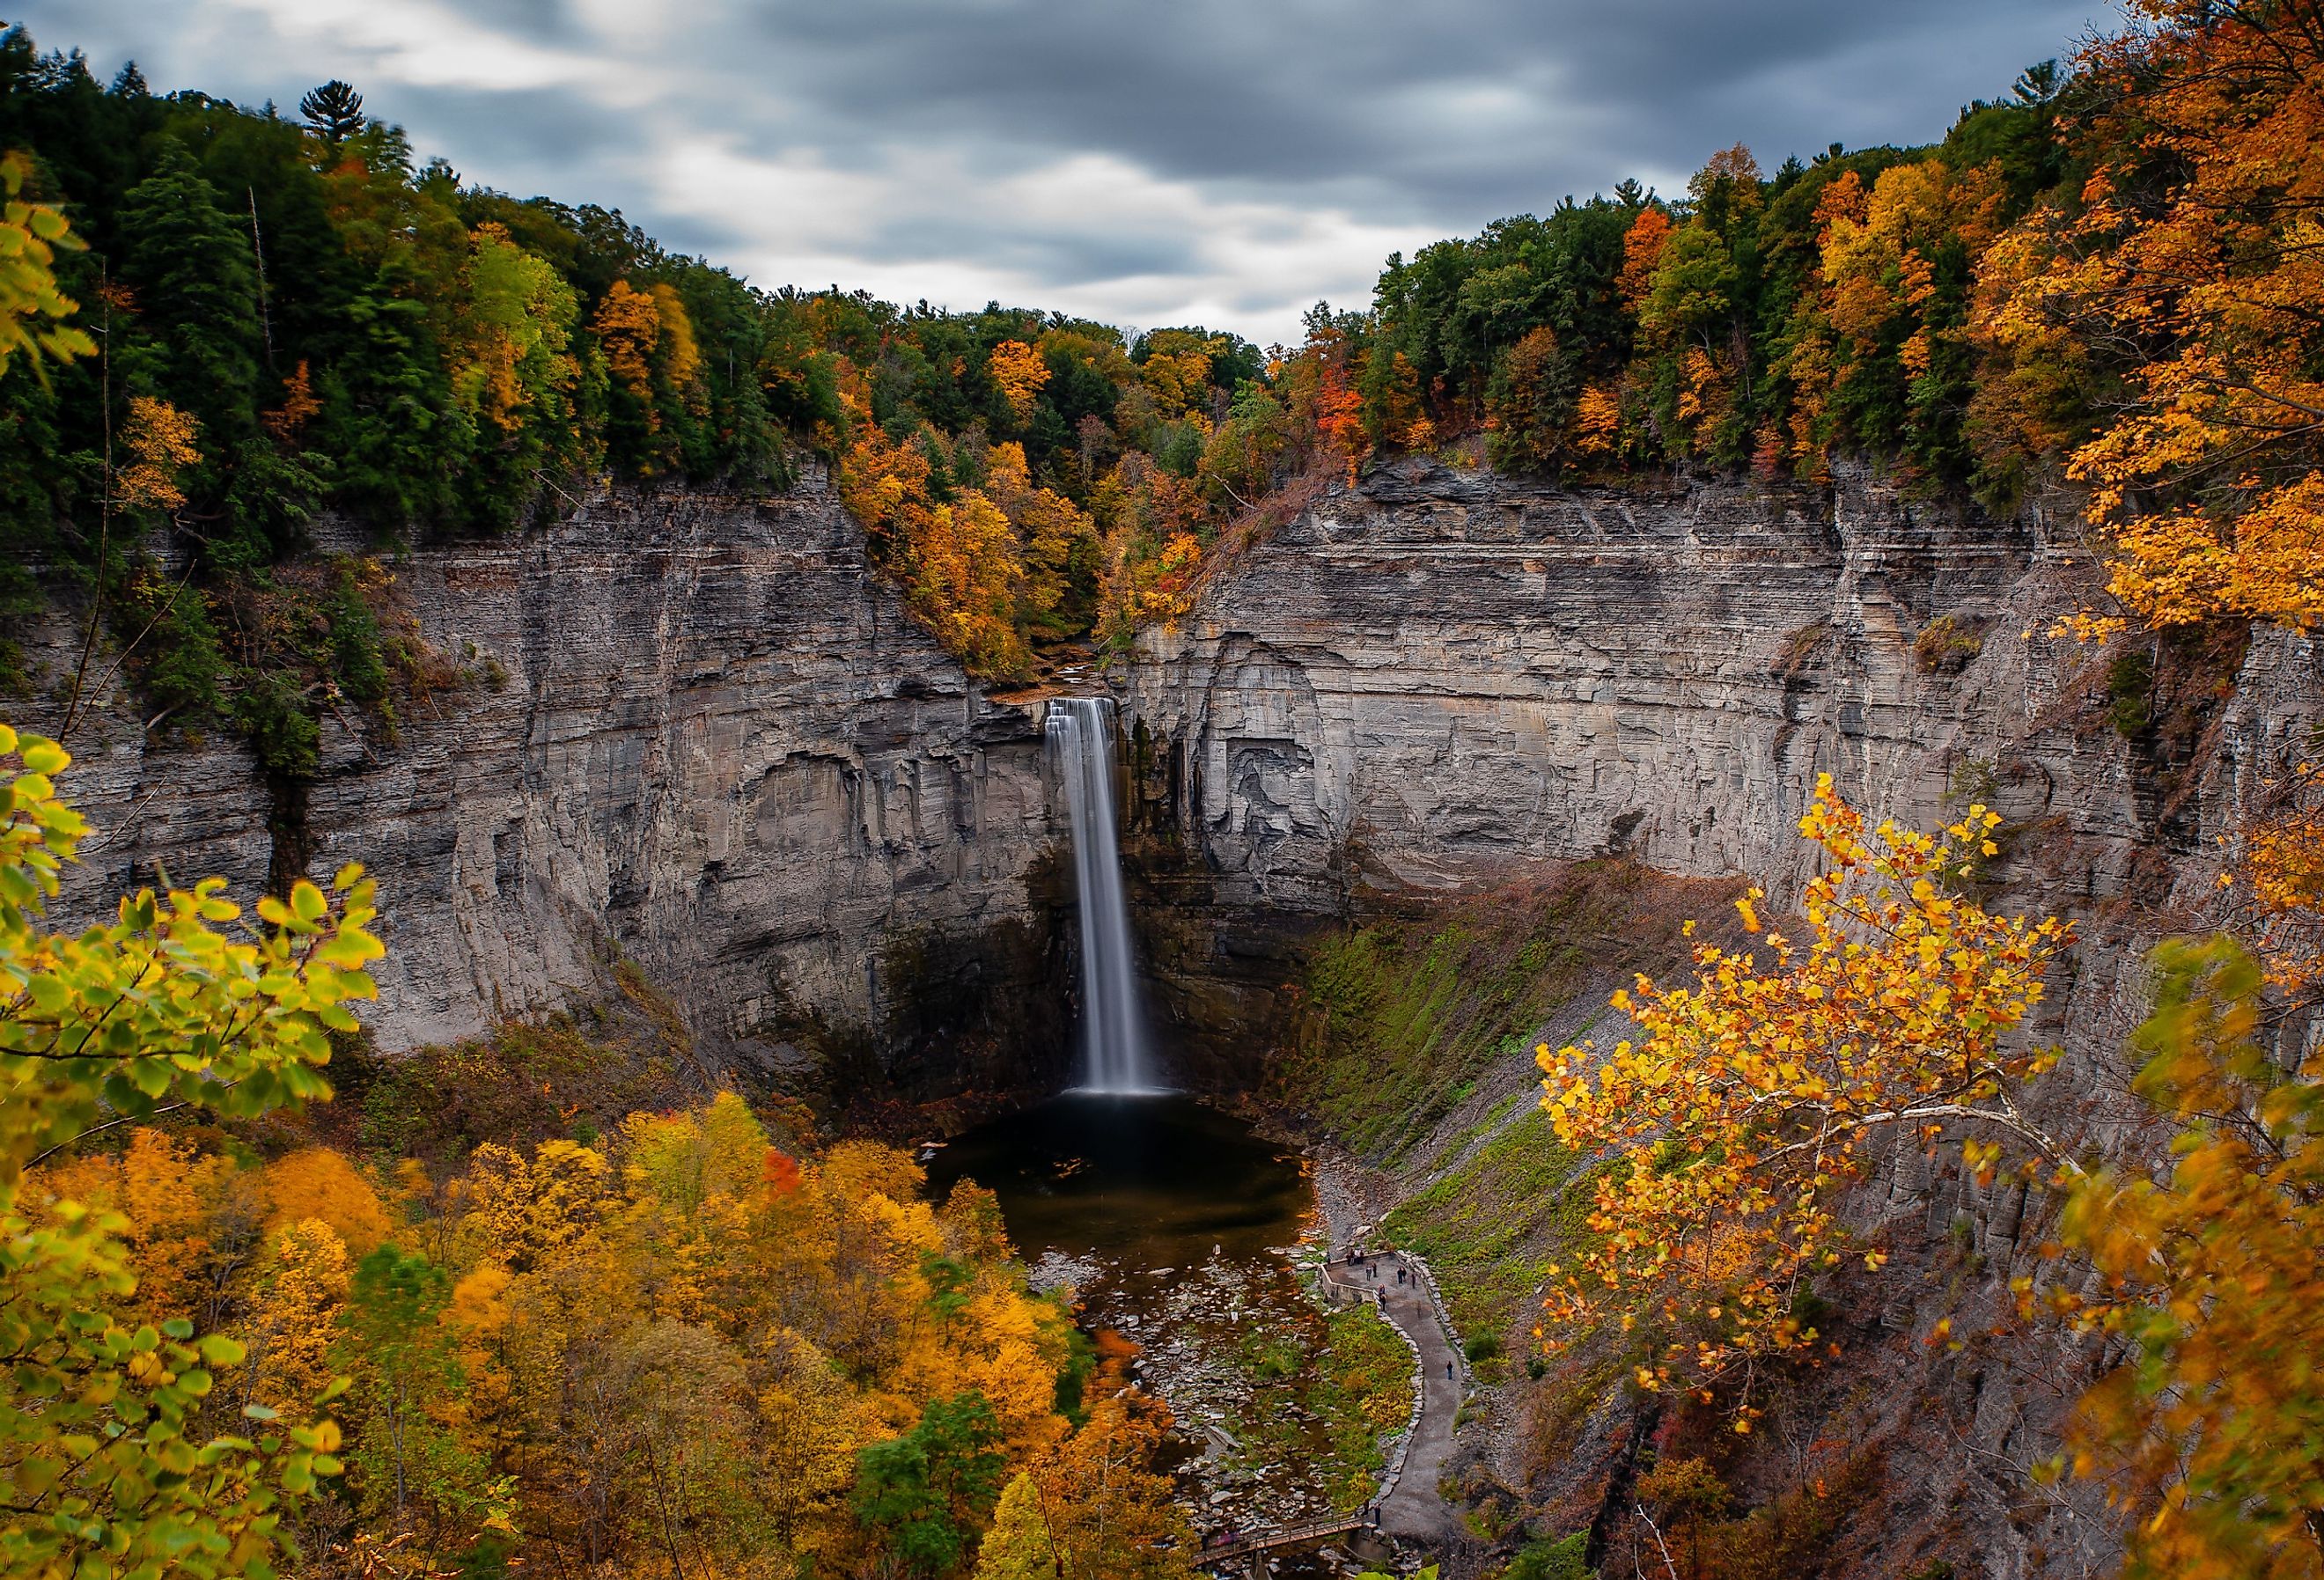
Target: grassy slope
column 1414, row 1051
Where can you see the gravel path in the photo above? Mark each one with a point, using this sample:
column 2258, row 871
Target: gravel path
column 1413, row 1511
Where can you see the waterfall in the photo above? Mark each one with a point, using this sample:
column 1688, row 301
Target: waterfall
column 1079, row 735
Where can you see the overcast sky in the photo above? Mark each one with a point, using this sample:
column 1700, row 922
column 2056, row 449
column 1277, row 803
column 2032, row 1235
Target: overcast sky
column 1142, row 161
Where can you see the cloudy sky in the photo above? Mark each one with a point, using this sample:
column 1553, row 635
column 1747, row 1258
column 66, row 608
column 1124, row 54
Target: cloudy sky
column 1143, row 162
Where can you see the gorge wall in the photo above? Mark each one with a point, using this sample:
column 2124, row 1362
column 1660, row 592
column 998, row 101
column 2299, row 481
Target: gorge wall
column 694, row 731
column 1438, row 678
column 690, row 732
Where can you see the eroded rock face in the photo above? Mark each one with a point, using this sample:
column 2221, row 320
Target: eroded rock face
column 694, row 732
column 1437, row 679
column 1430, row 679
column 1439, row 675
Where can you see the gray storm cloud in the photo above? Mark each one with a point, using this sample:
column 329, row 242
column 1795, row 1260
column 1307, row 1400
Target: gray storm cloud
column 1227, row 161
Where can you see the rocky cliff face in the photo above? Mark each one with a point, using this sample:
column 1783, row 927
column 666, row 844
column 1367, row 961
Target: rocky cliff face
column 1440, row 677
column 692, row 733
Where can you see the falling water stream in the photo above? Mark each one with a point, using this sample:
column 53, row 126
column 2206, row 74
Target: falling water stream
column 1177, row 1227
column 1080, row 734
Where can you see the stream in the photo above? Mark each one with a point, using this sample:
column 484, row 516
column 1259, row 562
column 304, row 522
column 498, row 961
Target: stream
column 1183, row 1231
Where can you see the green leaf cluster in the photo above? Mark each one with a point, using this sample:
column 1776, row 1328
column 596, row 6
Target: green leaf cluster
column 112, row 1463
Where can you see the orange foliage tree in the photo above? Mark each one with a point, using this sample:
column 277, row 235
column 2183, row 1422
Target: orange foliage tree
column 2193, row 249
column 1020, row 372
column 1055, row 535
column 162, row 442
column 959, row 561
column 1642, row 253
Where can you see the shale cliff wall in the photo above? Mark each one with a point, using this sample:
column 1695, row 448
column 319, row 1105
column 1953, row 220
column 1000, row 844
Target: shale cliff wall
column 1438, row 678
column 1439, row 675
column 693, row 732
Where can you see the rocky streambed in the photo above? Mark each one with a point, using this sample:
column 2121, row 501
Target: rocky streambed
column 1186, row 1232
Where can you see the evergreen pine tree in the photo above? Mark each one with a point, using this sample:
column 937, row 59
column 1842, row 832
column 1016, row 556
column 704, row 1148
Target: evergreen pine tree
column 195, row 337
column 335, row 110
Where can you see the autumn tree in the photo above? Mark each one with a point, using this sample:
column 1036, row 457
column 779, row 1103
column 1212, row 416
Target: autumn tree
column 1530, row 403
column 515, row 372
column 1895, row 265
column 1642, row 253
column 162, row 444
column 2207, row 1433
column 2190, row 257
column 1105, row 1507
column 1754, row 1097
column 292, row 1322
column 1019, row 371
column 1686, row 323
column 1058, row 540
column 967, row 573
column 1019, row 1546
column 628, row 327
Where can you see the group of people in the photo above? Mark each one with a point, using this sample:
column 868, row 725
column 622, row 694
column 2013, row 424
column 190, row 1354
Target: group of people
column 1356, row 1257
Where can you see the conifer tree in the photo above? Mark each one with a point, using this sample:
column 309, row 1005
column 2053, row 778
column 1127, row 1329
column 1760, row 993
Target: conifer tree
column 188, row 264
column 336, row 112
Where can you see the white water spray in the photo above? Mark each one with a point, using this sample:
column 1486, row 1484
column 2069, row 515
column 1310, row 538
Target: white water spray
column 1079, row 734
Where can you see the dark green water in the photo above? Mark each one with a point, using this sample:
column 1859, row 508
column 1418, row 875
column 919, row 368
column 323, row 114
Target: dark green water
column 1135, row 1182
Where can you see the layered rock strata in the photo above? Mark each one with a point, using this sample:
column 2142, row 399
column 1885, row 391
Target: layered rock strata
column 1438, row 677
column 686, row 731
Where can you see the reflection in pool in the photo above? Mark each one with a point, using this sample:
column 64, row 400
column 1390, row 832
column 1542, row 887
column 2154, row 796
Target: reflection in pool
column 1133, row 1181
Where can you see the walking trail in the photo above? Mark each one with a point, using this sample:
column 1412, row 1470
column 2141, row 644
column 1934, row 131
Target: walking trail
column 1412, row 1508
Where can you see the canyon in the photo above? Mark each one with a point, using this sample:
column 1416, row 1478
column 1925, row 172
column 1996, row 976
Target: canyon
column 692, row 734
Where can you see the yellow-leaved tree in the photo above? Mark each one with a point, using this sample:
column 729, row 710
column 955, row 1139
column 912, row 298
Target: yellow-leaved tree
column 107, row 1464
column 32, row 309
column 1759, row 1094
column 1020, row 373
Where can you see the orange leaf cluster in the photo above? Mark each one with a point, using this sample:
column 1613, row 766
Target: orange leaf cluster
column 161, row 439
column 2197, row 241
column 1020, row 373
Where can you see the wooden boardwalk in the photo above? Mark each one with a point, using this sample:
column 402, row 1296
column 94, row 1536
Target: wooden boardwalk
column 1262, row 1543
